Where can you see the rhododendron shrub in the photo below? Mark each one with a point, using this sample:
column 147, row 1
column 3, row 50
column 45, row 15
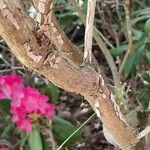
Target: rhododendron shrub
column 26, row 102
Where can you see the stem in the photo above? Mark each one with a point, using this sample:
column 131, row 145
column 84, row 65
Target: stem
column 144, row 132
column 89, row 31
column 4, row 142
column 76, row 131
column 101, row 45
column 129, row 35
column 46, row 128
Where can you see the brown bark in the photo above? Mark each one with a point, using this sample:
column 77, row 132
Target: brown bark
column 50, row 53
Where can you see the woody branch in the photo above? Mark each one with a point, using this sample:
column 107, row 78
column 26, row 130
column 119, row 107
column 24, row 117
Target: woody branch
column 50, row 53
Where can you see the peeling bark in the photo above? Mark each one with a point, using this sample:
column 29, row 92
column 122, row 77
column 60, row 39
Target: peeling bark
column 50, row 53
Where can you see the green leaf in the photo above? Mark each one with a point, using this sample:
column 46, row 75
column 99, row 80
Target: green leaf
column 144, row 93
column 119, row 50
column 137, row 34
column 84, row 7
column 60, row 2
column 133, row 61
column 45, row 144
column 147, row 54
column 146, row 77
column 35, row 141
column 66, row 21
column 144, row 97
column 70, row 8
column 129, row 66
column 62, row 129
column 145, row 11
column 24, row 138
column 5, row 105
column 136, row 20
column 7, row 130
column 52, row 92
column 147, row 26
column 136, row 45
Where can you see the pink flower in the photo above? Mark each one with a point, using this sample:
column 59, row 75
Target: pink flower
column 2, row 95
column 4, row 148
column 48, row 110
column 19, row 113
column 11, row 86
column 25, row 125
column 35, row 102
column 5, row 90
column 32, row 104
column 30, row 100
column 26, row 102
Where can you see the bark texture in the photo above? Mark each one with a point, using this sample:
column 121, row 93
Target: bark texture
column 49, row 52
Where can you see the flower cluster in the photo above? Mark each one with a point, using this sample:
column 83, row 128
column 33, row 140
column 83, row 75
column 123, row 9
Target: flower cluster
column 26, row 102
column 4, row 148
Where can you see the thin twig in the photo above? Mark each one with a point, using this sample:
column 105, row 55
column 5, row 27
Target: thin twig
column 4, row 142
column 100, row 21
column 129, row 35
column 102, row 46
column 118, row 10
column 4, row 60
column 89, row 31
column 12, row 68
column 108, row 57
column 46, row 128
column 144, row 132
column 12, row 62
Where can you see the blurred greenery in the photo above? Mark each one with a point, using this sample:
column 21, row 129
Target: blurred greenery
column 144, row 93
column 5, row 105
column 52, row 92
column 62, row 129
column 35, row 140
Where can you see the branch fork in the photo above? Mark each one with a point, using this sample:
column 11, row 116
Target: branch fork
column 60, row 62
